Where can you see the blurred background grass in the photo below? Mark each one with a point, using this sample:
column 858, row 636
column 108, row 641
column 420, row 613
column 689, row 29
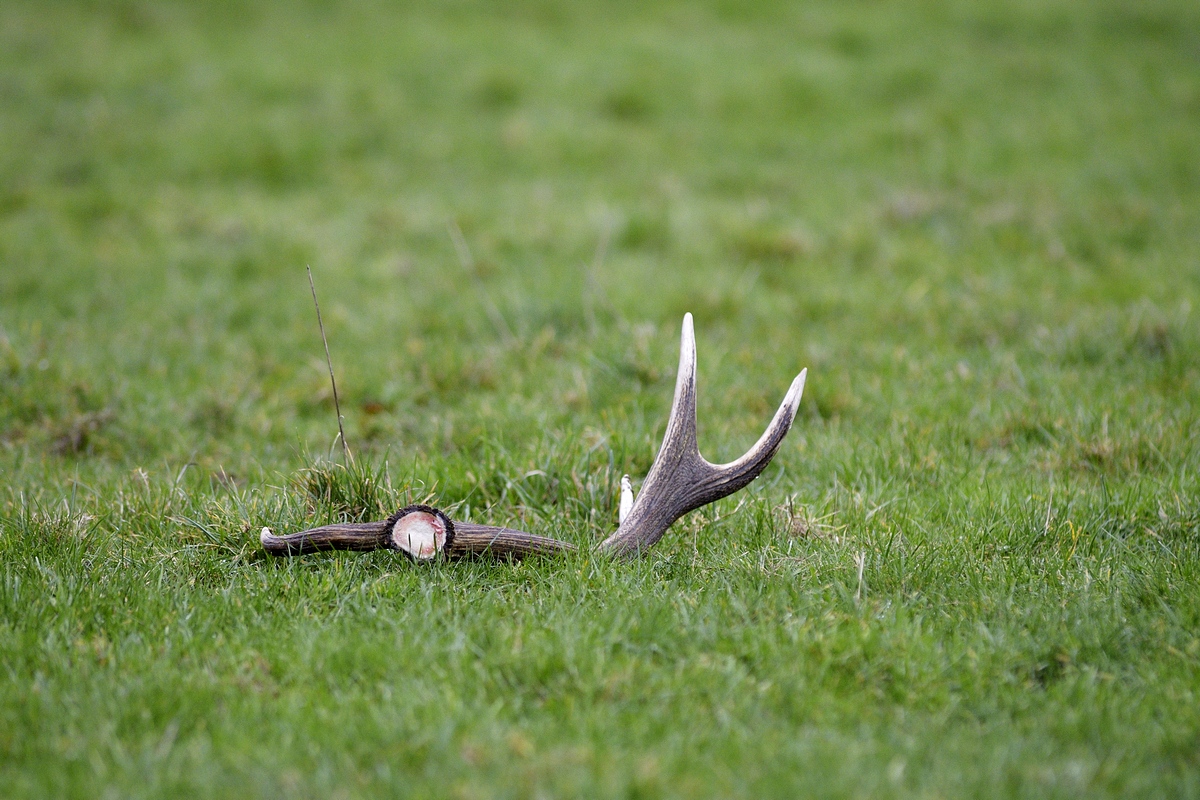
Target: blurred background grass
column 974, row 222
column 819, row 184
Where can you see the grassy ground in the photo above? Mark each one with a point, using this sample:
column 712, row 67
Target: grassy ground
column 975, row 223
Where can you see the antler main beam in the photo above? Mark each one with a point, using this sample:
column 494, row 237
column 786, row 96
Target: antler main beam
column 680, row 481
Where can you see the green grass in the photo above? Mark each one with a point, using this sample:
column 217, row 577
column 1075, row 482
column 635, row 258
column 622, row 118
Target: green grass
column 976, row 224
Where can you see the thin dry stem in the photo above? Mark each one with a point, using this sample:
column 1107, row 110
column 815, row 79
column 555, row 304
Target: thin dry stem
column 337, row 406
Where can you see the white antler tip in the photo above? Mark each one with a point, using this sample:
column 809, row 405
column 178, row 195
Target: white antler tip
column 796, row 391
column 798, row 384
column 626, row 499
column 264, row 535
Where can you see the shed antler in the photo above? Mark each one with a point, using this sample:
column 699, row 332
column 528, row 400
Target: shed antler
column 680, row 480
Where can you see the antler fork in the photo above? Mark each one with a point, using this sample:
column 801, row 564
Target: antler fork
column 680, row 480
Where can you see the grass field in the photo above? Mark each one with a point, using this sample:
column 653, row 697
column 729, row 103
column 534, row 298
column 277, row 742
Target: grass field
column 977, row 224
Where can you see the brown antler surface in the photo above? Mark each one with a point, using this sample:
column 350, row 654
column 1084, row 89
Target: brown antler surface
column 340, row 536
column 679, row 481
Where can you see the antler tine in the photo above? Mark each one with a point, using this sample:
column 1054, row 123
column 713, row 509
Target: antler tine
column 681, row 480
